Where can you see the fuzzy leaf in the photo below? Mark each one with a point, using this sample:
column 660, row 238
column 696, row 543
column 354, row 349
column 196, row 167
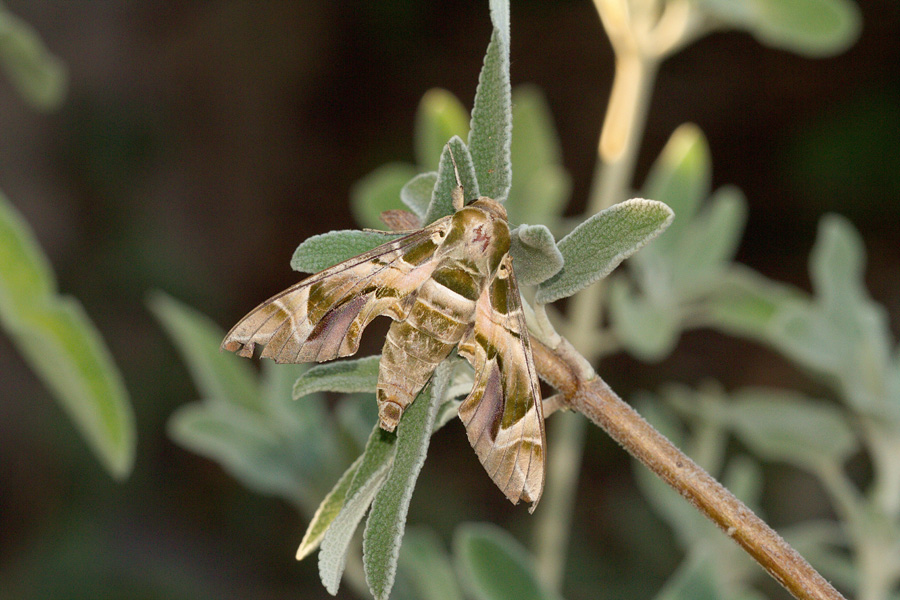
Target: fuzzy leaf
column 62, row 345
column 745, row 303
column 358, row 375
column 336, row 541
column 681, row 177
column 440, row 117
column 322, row 251
column 494, row 566
column 788, row 427
column 837, row 263
column 219, row 375
column 808, row 27
column 535, row 255
column 417, row 193
column 326, row 513
column 379, row 191
column 441, row 199
column 426, row 564
column 40, row 77
column 373, row 470
column 387, row 521
column 489, row 139
column 598, row 245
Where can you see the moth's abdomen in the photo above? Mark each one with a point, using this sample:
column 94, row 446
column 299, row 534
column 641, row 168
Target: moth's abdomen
column 415, row 346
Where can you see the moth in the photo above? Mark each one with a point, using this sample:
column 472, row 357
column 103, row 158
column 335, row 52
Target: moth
column 448, row 285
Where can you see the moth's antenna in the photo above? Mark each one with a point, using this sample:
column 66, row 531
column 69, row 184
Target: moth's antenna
column 456, row 196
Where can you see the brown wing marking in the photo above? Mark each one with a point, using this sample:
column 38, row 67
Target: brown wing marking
column 502, row 414
column 323, row 316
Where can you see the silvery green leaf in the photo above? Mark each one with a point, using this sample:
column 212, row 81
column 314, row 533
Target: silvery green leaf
column 357, row 375
column 540, row 185
column 534, row 254
column 379, row 191
column 837, row 263
column 240, row 441
column 696, row 579
column 63, row 347
column 598, row 245
column 743, row 302
column 427, row 565
column 387, row 520
column 336, row 541
column 681, row 177
column 218, row 375
column 371, row 474
column 646, row 326
column 788, row 427
column 491, row 129
column 322, row 251
column 713, row 239
column 40, row 77
column 492, row 565
column 500, row 20
column 441, row 200
column 440, row 117
column 417, row 193
column 808, row 27
column 326, row 513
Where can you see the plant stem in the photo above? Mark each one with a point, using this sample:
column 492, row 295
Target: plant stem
column 594, row 399
column 623, row 128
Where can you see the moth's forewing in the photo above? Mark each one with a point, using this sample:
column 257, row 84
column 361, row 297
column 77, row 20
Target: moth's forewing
column 502, row 414
column 323, row 316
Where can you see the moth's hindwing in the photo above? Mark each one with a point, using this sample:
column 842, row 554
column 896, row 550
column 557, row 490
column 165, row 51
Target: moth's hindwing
column 502, row 414
column 323, row 316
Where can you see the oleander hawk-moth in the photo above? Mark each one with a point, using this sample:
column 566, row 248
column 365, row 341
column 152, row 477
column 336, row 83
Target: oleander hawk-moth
column 449, row 285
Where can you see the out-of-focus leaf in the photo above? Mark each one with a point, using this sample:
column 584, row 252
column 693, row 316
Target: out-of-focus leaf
column 695, row 579
column 534, row 254
column 219, row 375
column 785, row 426
column 707, row 249
column 491, row 129
column 241, row 442
column 440, row 117
column 808, row 27
column 540, row 186
column 427, row 565
column 387, row 520
column 744, row 302
column 39, row 76
column 681, row 177
column 417, row 193
column 648, row 330
column 61, row 344
column 322, row 251
column 824, row 544
column 442, row 199
column 598, row 245
column 359, row 375
column 379, row 191
column 492, row 565
column 327, row 511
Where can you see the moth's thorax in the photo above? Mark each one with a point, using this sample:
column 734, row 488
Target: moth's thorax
column 478, row 234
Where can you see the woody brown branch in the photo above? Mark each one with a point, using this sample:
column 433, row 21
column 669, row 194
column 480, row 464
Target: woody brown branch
column 599, row 403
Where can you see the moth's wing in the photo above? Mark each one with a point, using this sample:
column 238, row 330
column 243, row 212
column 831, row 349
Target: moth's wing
column 323, row 316
column 502, row 414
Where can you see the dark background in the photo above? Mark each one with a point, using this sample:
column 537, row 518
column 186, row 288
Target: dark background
column 201, row 142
